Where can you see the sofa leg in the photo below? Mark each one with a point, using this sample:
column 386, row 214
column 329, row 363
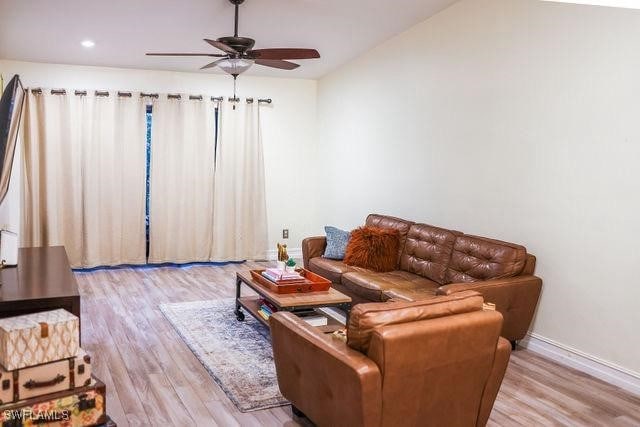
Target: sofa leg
column 297, row 412
column 514, row 344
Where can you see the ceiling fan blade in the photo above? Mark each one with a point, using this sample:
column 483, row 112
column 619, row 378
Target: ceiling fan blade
column 222, row 46
column 277, row 63
column 212, row 64
column 284, row 53
column 214, row 55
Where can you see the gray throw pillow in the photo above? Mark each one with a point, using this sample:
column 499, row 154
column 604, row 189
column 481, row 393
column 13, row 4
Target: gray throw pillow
column 336, row 242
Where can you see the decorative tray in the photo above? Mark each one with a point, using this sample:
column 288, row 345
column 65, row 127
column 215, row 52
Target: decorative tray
column 312, row 283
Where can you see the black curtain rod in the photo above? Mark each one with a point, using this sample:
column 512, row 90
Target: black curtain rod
column 260, row 100
column 152, row 95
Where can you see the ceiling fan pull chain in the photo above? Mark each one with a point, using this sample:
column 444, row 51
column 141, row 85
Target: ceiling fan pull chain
column 235, row 80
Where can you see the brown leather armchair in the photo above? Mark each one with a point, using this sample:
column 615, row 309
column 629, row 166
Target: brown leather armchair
column 433, row 362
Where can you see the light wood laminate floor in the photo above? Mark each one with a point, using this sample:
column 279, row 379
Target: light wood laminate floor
column 153, row 378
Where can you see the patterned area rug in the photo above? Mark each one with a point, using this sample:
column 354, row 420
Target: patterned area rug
column 238, row 355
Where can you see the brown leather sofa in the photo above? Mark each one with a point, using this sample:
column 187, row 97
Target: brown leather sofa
column 434, row 261
column 437, row 362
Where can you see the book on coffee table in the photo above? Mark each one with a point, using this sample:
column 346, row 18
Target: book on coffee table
column 281, row 276
column 316, row 320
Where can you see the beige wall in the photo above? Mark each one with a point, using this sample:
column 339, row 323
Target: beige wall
column 288, row 129
column 515, row 119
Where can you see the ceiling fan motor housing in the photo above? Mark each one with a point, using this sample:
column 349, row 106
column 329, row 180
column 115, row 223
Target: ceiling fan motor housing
column 241, row 44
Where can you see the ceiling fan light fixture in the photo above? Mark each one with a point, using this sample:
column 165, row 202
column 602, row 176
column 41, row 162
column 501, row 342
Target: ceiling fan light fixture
column 235, row 66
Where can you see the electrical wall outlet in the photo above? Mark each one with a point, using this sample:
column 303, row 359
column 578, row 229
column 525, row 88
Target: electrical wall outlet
column 285, row 233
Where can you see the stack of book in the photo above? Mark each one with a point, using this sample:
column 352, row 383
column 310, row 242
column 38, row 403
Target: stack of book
column 266, row 309
column 282, row 276
column 316, row 320
column 312, row 317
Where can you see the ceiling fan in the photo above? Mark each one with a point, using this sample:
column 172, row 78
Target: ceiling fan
column 239, row 56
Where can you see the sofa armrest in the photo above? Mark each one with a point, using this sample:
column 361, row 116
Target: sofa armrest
column 313, row 247
column 323, row 377
column 515, row 297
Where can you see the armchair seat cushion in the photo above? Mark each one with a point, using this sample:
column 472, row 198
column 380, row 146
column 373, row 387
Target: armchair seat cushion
column 372, row 285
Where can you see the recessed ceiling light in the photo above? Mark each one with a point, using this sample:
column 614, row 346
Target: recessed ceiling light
column 87, row 43
column 628, row 4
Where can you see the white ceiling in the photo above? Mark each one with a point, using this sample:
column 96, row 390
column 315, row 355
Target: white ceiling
column 123, row 30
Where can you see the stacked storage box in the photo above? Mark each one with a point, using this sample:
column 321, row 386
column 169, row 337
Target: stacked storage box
column 45, row 377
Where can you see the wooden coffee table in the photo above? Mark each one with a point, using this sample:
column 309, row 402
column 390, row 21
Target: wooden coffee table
column 287, row 302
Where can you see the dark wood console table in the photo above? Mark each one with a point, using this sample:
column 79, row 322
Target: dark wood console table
column 42, row 281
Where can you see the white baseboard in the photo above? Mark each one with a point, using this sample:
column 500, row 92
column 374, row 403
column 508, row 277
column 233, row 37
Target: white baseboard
column 594, row 366
column 272, row 255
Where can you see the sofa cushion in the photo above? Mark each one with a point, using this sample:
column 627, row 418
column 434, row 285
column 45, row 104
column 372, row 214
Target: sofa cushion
column 427, row 251
column 478, row 258
column 365, row 318
column 399, row 224
column 417, row 294
column 374, row 248
column 372, row 285
column 336, row 242
column 329, row 268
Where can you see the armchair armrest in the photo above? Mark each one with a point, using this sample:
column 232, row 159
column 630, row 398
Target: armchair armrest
column 515, row 297
column 313, row 247
column 500, row 362
column 327, row 380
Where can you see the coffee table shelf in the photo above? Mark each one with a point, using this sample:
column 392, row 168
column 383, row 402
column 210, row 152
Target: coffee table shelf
column 252, row 305
column 288, row 302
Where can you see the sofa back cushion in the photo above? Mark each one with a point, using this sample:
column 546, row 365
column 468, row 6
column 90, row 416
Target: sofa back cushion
column 427, row 251
column 384, row 221
column 365, row 318
column 478, row 258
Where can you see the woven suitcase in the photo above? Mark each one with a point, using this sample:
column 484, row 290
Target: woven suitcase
column 34, row 381
column 81, row 407
column 34, row 339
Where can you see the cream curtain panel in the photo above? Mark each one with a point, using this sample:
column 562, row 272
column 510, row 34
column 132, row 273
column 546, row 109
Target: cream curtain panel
column 239, row 216
column 182, row 163
column 84, row 177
